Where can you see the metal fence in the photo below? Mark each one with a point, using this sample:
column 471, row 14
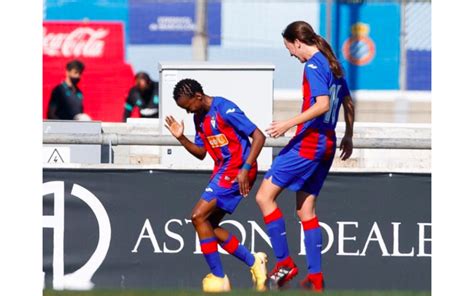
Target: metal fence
column 377, row 147
column 160, row 140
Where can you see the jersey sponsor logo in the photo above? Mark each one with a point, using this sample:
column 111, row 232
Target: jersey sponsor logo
column 231, row 110
column 219, row 140
column 312, row 66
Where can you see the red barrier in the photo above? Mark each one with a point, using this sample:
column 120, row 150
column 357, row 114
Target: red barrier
column 101, row 47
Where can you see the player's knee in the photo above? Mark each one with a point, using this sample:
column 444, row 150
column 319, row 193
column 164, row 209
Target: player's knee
column 197, row 218
column 261, row 199
column 305, row 215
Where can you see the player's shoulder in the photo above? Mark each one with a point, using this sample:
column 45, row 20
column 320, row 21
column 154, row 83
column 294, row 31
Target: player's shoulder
column 224, row 105
column 220, row 101
column 317, row 63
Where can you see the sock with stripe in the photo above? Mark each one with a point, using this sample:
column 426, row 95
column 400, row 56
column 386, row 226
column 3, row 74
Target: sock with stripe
column 313, row 244
column 209, row 249
column 233, row 247
column 277, row 232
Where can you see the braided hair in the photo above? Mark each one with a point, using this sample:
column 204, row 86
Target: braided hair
column 187, row 87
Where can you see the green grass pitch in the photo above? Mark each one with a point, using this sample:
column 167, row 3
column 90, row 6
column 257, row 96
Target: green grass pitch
column 233, row 293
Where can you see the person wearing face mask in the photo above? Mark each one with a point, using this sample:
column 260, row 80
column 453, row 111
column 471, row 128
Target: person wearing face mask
column 66, row 101
column 143, row 95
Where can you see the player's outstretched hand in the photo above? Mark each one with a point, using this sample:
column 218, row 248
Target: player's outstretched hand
column 243, row 179
column 277, row 129
column 346, row 147
column 175, row 128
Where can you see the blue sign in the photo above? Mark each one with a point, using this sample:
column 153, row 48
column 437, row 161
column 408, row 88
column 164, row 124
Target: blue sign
column 116, row 10
column 366, row 40
column 83, row 10
column 419, row 69
column 170, row 22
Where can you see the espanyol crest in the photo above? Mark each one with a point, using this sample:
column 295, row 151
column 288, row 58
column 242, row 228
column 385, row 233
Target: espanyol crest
column 359, row 49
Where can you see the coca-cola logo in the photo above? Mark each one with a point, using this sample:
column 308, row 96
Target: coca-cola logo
column 81, row 42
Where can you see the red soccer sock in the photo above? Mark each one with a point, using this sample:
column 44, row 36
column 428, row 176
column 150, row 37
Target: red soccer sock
column 317, row 280
column 288, row 262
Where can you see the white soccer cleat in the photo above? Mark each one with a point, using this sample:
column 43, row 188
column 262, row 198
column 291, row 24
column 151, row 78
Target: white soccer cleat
column 215, row 284
column 259, row 271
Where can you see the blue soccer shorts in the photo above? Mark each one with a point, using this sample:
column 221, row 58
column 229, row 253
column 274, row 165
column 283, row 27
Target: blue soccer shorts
column 290, row 170
column 227, row 198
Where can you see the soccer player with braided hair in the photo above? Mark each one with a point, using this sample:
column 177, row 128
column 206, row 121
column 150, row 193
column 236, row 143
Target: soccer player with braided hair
column 223, row 131
column 302, row 166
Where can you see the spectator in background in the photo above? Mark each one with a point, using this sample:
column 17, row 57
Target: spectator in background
column 66, row 98
column 143, row 95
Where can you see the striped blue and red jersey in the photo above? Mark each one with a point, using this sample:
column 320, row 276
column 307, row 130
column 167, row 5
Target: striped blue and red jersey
column 224, row 131
column 315, row 138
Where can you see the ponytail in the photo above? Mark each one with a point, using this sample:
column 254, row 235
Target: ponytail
column 326, row 50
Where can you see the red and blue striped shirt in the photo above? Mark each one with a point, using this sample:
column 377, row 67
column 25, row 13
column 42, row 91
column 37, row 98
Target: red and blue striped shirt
column 224, row 131
column 315, row 138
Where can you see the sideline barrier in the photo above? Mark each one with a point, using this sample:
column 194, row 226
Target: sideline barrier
column 132, row 229
column 131, row 139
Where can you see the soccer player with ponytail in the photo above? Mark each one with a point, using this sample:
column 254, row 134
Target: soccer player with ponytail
column 302, row 166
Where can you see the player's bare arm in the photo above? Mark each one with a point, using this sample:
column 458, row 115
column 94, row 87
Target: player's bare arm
column 346, row 143
column 258, row 139
column 177, row 130
column 279, row 128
